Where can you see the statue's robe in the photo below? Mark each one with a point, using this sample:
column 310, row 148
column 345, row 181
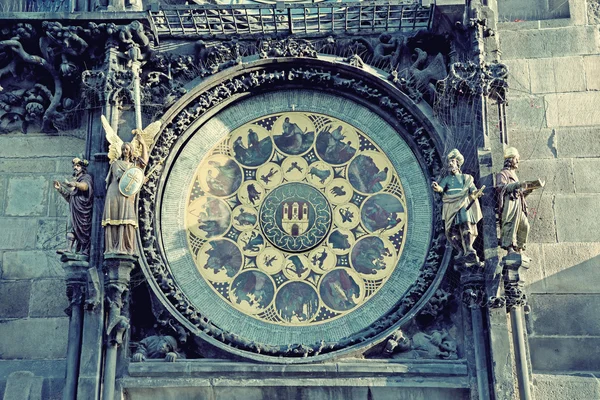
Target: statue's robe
column 455, row 202
column 81, row 204
column 120, row 218
column 513, row 210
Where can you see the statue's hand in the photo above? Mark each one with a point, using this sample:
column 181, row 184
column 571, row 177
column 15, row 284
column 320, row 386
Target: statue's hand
column 171, row 357
column 436, row 187
column 138, row 357
column 478, row 193
column 56, row 185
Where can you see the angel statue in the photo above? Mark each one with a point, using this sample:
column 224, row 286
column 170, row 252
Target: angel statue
column 124, row 180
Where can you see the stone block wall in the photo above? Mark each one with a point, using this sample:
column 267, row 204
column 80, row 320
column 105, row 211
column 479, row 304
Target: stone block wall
column 554, row 120
column 33, row 217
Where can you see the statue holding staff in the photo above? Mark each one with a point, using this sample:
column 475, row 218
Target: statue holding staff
column 124, row 180
column 460, row 210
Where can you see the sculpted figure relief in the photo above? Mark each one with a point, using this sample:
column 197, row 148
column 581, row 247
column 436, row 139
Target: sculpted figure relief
column 460, row 210
column 79, row 193
column 511, row 203
column 125, row 178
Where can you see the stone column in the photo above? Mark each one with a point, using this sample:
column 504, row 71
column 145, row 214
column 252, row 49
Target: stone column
column 117, row 269
column 473, row 296
column 76, row 276
column 516, row 302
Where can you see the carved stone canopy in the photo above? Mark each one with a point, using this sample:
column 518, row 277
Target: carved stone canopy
column 293, row 220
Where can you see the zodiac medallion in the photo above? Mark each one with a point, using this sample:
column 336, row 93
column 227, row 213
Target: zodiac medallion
column 296, row 218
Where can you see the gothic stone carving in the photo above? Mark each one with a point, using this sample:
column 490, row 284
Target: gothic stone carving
column 157, row 347
column 51, row 55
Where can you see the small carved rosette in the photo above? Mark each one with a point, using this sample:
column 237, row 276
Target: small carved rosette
column 296, row 218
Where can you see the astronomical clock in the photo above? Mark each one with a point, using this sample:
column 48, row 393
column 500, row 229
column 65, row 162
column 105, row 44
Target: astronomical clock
column 293, row 223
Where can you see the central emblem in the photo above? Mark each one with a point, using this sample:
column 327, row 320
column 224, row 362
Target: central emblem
column 295, row 217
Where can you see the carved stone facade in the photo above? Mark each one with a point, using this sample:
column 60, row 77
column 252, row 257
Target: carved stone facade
column 251, row 99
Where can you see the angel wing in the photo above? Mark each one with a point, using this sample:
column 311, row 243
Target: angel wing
column 115, row 142
column 147, row 135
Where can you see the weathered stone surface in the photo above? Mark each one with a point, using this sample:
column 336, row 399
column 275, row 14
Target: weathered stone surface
column 526, row 113
column 2, row 193
column 45, row 368
column 51, row 234
column 568, row 74
column 23, row 385
column 534, row 276
column 578, row 142
column 576, row 314
column 577, row 218
column 48, row 298
column 564, row 353
column 27, row 196
column 57, row 206
column 587, row 175
column 31, row 264
column 20, row 236
column 26, row 165
column 43, row 145
column 591, row 66
column 534, row 144
column 531, row 10
column 556, row 23
column 541, row 218
column 553, row 42
column 518, row 78
column 558, row 175
column 573, row 109
column 64, row 166
column 542, row 75
column 14, row 299
column 34, row 338
column 517, row 25
column 571, row 267
column 260, row 391
column 546, row 386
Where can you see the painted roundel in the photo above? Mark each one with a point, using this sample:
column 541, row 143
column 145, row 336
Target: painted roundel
column 296, row 218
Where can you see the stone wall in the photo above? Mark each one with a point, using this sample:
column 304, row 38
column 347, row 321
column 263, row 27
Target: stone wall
column 553, row 119
column 33, row 216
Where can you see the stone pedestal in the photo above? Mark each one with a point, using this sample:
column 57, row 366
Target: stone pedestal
column 76, row 268
column 117, row 268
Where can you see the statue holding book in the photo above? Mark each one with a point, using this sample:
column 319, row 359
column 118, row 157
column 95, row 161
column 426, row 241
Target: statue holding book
column 512, row 206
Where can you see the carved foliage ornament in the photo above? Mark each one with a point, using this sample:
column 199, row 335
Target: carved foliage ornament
column 272, row 78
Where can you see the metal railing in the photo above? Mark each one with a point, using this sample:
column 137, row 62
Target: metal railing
column 305, row 18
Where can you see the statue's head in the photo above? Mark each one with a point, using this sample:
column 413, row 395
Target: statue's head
column 126, row 151
column 511, row 158
column 455, row 161
column 79, row 166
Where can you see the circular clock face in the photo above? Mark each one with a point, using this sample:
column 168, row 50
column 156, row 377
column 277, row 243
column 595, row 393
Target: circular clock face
column 296, row 218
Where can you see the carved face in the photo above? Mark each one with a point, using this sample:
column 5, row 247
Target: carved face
column 453, row 166
column 126, row 151
column 514, row 164
column 77, row 169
